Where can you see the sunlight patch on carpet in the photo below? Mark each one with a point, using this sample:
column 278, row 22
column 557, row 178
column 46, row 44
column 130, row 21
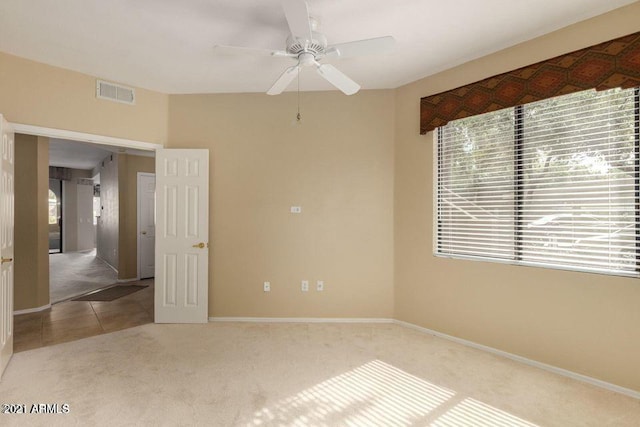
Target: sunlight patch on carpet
column 377, row 393
column 472, row 413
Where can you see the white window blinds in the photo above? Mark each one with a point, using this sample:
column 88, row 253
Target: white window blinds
column 553, row 183
column 475, row 186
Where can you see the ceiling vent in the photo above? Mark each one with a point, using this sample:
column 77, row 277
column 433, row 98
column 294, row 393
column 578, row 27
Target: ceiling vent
column 115, row 92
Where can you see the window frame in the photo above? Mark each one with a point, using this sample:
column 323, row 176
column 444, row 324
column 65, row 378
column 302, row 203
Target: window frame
column 518, row 143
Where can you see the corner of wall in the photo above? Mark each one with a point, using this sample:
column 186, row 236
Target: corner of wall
column 43, row 223
column 128, row 168
column 31, row 229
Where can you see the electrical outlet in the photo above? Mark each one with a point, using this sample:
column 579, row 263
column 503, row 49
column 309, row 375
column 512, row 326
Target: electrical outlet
column 296, row 209
column 320, row 286
column 267, row 286
column 305, row 286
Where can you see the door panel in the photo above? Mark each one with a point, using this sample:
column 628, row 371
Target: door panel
column 146, row 224
column 182, row 233
column 6, row 243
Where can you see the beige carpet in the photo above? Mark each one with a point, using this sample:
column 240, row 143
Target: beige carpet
column 295, row 374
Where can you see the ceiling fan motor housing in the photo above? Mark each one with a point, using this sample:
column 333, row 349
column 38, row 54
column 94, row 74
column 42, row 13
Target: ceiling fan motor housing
column 316, row 46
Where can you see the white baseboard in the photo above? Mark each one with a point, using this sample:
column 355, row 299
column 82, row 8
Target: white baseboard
column 78, row 251
column 560, row 371
column 31, row 310
column 300, row 319
column 565, row 373
column 107, row 262
column 135, row 279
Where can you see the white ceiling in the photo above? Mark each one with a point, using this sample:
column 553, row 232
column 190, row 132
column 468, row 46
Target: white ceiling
column 167, row 45
column 84, row 155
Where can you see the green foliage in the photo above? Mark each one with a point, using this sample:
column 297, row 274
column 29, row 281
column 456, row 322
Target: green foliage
column 577, row 175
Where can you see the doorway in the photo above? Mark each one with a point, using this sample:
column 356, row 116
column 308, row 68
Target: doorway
column 102, row 243
column 75, row 268
column 89, row 194
column 194, row 174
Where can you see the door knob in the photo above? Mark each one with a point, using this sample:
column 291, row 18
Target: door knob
column 199, row 245
column 143, row 232
column 6, row 260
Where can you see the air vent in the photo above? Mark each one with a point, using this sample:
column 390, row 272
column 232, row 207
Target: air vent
column 115, row 92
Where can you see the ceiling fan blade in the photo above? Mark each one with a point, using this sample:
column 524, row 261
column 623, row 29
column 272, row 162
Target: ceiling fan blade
column 362, row 47
column 284, row 80
column 338, row 79
column 297, row 14
column 239, row 50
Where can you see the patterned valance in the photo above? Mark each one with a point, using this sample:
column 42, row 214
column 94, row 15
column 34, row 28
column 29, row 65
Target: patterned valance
column 612, row 64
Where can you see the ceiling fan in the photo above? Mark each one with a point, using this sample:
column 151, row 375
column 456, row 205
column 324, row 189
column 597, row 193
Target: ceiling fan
column 308, row 46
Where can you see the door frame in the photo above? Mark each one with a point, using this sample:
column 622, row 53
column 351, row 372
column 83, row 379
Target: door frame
column 81, row 137
column 138, row 202
column 84, row 137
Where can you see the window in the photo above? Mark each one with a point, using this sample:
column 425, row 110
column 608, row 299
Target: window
column 555, row 183
column 53, row 208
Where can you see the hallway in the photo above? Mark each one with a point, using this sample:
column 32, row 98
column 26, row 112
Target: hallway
column 76, row 273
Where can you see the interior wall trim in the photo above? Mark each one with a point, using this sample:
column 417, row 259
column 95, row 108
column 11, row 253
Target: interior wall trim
column 84, row 137
column 31, row 310
column 301, row 319
column 550, row 368
column 107, row 262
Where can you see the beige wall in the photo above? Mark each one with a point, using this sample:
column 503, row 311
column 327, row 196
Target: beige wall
column 359, row 169
column 31, row 280
column 586, row 323
column 129, row 166
column 38, row 94
column 338, row 165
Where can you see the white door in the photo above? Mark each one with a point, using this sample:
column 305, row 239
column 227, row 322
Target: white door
column 146, row 224
column 182, row 234
column 6, row 243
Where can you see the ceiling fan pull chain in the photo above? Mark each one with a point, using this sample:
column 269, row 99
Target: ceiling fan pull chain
column 298, row 116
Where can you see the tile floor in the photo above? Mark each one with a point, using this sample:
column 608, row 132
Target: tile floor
column 74, row 320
